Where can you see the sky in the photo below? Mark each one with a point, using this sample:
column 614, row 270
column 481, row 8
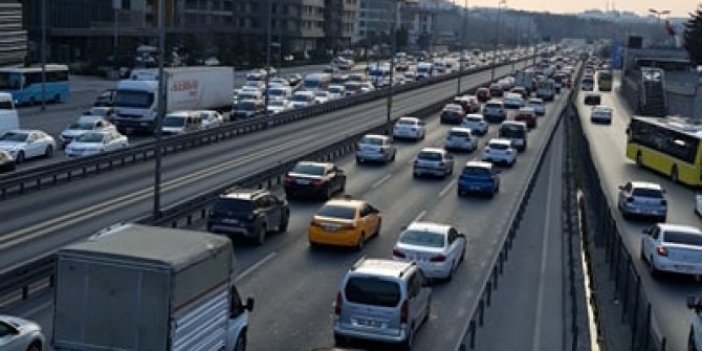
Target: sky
column 678, row 8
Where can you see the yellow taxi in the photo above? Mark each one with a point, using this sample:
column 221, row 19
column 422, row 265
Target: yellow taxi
column 344, row 222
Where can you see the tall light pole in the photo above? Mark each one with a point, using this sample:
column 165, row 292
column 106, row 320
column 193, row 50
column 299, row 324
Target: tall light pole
column 269, row 30
column 497, row 39
column 659, row 13
column 161, row 107
column 393, row 48
column 116, row 5
column 463, row 47
column 43, row 55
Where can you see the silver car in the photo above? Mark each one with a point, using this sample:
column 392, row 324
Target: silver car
column 642, row 199
column 17, row 334
column 672, row 248
column 438, row 249
column 373, row 147
column 476, row 123
column 433, row 161
column 381, row 300
column 461, row 139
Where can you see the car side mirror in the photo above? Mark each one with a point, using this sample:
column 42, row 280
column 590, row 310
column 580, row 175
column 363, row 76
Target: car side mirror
column 249, row 304
column 647, row 231
column 461, row 235
column 621, row 187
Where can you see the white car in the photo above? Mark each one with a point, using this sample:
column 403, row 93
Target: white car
column 279, row 105
column 210, row 119
column 601, row 114
column 698, row 204
column 17, row 334
column 374, row 147
column 672, row 248
column 538, row 106
column 513, row 101
column 409, row 128
column 25, row 144
column 643, row 199
column 476, row 123
column 460, row 139
column 322, row 96
column 500, row 151
column 433, row 161
column 83, row 125
column 303, row 99
column 438, row 249
column 254, row 85
column 93, row 143
column 337, row 92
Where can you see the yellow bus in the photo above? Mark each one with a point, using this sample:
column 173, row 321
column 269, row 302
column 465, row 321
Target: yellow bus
column 671, row 146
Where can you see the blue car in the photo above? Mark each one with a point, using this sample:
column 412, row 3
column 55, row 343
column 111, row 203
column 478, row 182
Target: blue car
column 479, row 177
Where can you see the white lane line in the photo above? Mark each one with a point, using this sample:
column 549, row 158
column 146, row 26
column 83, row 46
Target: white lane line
column 381, row 181
column 447, row 188
column 536, row 345
column 420, row 216
column 255, row 266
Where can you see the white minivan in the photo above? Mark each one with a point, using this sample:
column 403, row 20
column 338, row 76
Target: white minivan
column 9, row 119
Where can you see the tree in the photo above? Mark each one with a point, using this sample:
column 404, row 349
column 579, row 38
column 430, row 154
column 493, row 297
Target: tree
column 693, row 36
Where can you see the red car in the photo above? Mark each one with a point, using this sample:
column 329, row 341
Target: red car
column 528, row 116
column 452, row 113
column 483, row 94
column 469, row 103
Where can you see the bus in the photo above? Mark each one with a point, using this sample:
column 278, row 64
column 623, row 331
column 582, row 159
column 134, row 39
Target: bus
column 671, row 146
column 24, row 83
column 604, row 80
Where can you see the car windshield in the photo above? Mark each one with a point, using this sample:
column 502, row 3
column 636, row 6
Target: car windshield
column 476, row 171
column 308, row 169
column 371, row 141
column 90, row 138
column 81, row 126
column 336, row 211
column 336, row 89
column 422, row 238
column 512, row 131
column 276, row 103
column 14, row 136
column 459, row 133
column 321, row 94
column 406, row 122
column 134, row 99
column 232, row 205
column 499, row 146
column 473, row 119
column 683, row 238
column 276, row 92
column 173, row 121
column 301, row 97
column 429, row 155
column 648, row 193
column 246, row 106
column 498, row 106
column 372, row 291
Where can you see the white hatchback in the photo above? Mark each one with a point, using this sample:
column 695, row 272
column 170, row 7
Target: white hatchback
column 672, row 248
column 460, row 139
column 476, row 123
column 500, row 151
column 601, row 114
column 409, row 128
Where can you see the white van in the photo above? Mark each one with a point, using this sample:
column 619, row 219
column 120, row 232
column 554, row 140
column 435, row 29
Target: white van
column 181, row 122
column 9, row 119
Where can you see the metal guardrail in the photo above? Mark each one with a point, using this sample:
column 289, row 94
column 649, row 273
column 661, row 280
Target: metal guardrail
column 491, row 280
column 20, row 284
column 66, row 171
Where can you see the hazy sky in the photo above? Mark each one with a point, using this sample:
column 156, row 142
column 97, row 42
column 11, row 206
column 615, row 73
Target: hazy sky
column 678, row 8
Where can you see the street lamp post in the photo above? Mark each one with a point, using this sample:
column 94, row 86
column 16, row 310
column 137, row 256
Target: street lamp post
column 659, row 13
column 43, row 55
column 161, row 108
column 497, row 39
column 393, row 48
column 268, row 50
column 463, row 47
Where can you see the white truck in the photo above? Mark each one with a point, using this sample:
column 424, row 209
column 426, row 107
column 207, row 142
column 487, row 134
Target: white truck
column 425, row 70
column 187, row 88
column 134, row 288
column 9, row 119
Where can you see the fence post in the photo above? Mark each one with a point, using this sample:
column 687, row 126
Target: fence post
column 635, row 314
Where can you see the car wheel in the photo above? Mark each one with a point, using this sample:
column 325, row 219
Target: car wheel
column 377, row 229
column 359, row 160
column 328, row 193
column 361, row 242
column 409, row 342
column 639, row 159
column 340, row 341
column 415, row 174
column 642, row 254
column 20, row 157
column 56, row 99
column 655, row 273
column 241, row 342
column 392, row 158
column 261, row 235
column 283, row 226
column 461, row 193
column 450, row 274
column 691, row 341
column 49, row 151
column 674, row 174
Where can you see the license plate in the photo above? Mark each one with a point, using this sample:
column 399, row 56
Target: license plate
column 684, row 268
column 230, row 221
column 303, row 182
column 474, row 187
column 369, row 323
column 330, row 227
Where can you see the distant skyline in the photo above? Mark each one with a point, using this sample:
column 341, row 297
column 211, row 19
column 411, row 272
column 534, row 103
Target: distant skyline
column 678, row 8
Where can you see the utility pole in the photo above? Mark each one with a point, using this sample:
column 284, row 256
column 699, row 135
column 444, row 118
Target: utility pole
column 497, row 39
column 43, row 55
column 161, row 108
column 463, row 47
column 393, row 48
column 268, row 50
column 115, row 32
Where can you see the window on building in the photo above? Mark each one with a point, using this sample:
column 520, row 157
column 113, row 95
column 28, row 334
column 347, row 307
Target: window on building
column 126, row 4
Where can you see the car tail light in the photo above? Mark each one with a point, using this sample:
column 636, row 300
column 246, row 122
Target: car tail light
column 318, row 182
column 508, row 152
column 398, row 253
column 404, row 312
column 439, row 258
column 662, row 251
column 337, row 304
column 381, row 150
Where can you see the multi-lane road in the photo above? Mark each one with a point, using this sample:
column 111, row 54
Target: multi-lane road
column 294, row 286
column 608, row 147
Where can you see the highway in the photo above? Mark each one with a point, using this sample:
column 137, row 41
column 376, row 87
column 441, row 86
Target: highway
column 294, row 287
column 608, row 145
column 125, row 194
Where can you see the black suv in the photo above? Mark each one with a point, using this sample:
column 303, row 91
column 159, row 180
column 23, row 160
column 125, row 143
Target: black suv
column 249, row 213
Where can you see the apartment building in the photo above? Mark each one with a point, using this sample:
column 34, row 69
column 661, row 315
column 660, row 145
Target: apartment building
column 13, row 39
column 375, row 19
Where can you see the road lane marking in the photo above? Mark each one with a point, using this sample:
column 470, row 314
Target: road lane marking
column 39, row 308
column 536, row 344
column 420, row 216
column 381, row 181
column 447, row 188
column 255, row 266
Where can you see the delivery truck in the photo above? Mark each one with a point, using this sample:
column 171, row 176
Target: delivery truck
column 9, row 119
column 187, row 88
column 137, row 288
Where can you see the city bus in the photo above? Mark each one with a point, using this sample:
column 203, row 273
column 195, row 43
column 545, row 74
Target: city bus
column 604, row 80
column 670, row 146
column 24, row 83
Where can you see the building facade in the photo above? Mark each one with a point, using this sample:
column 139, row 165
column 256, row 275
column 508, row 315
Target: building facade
column 375, row 20
column 13, row 39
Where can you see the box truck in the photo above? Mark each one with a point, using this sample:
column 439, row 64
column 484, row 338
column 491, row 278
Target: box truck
column 525, row 79
column 9, row 119
column 137, row 288
column 187, row 88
